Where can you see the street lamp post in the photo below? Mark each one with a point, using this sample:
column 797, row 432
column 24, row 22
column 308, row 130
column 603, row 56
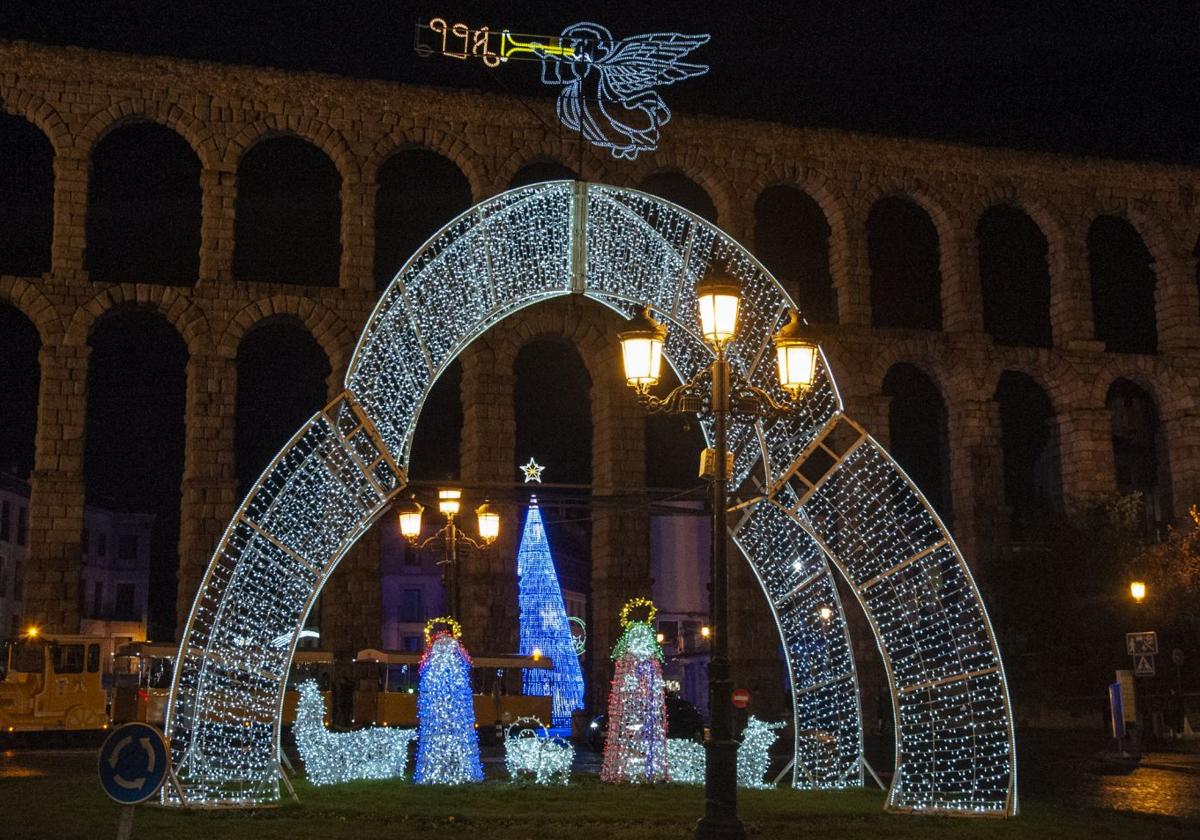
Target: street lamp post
column 718, row 300
column 449, row 504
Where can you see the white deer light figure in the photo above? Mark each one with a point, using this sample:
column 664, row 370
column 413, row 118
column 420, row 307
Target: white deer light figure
column 687, row 759
column 334, row 757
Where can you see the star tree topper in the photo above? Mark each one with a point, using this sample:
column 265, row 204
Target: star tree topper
column 532, row 471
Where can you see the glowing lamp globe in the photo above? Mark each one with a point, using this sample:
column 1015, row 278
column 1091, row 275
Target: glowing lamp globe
column 718, row 299
column 796, row 356
column 1137, row 589
column 825, row 613
column 410, row 519
column 641, row 350
column 489, row 523
column 449, row 501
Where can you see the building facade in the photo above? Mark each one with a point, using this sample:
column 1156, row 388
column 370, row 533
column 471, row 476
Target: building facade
column 1036, row 315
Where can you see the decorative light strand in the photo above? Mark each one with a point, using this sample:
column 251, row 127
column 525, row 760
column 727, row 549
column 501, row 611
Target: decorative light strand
column 531, row 754
column 544, row 624
column 447, row 743
column 331, row 758
column 636, row 747
column 954, row 726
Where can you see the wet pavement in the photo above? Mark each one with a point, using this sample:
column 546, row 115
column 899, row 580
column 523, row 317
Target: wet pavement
column 1062, row 769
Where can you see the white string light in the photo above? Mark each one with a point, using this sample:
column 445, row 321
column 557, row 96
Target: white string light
column 330, row 758
column 447, row 742
column 543, row 623
column 954, row 725
column 636, row 747
column 535, row 756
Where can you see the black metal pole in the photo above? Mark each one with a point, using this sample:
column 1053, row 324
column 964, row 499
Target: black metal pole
column 720, row 818
column 452, row 569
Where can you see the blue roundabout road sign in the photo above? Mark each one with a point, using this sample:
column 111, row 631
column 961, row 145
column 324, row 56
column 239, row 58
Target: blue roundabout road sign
column 133, row 763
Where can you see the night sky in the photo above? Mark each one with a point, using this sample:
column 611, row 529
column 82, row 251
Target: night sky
column 1116, row 79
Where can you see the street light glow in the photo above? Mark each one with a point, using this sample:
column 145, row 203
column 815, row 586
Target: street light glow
column 718, row 299
column 1138, row 590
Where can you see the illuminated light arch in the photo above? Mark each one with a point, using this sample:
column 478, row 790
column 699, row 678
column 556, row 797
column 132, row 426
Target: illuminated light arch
column 822, row 491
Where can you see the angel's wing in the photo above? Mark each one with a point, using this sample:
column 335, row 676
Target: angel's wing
column 645, row 62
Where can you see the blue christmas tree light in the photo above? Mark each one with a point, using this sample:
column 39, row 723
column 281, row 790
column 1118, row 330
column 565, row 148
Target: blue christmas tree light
column 544, row 625
column 447, row 743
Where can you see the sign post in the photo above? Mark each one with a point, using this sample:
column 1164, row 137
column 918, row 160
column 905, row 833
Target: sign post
column 1142, row 647
column 134, row 762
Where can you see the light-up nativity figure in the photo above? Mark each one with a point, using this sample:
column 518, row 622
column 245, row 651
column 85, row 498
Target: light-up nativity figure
column 447, row 743
column 544, row 625
column 636, row 747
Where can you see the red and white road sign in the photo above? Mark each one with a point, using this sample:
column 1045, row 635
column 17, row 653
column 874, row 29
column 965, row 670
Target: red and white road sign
column 741, row 698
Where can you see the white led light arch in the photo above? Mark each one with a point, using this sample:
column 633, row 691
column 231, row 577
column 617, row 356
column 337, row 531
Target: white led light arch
column 827, row 493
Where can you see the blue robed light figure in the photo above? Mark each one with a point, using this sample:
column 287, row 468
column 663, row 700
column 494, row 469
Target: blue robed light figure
column 544, row 625
column 608, row 85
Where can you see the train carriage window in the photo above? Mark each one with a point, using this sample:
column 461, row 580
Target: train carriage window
column 68, row 659
column 93, row 659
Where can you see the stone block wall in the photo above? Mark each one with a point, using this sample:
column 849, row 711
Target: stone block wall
column 75, row 97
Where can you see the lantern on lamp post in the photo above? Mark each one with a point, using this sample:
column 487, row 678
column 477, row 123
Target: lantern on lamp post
column 718, row 301
column 449, row 504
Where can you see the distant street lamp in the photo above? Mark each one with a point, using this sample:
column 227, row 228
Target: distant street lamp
column 1137, row 590
column 718, row 392
column 449, row 504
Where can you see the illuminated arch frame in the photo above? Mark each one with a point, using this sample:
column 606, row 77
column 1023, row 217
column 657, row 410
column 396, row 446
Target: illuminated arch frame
column 822, row 491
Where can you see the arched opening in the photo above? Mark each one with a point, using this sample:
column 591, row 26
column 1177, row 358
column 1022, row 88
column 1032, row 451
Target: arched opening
column 143, row 219
column 906, row 281
column 437, row 439
column 917, row 422
column 791, row 238
column 553, row 409
column 1139, row 450
column 1014, row 276
column 133, row 464
column 1032, row 465
column 541, row 170
column 26, row 197
column 282, row 378
column 288, row 216
column 418, row 192
column 20, row 374
column 682, row 190
column 1123, row 282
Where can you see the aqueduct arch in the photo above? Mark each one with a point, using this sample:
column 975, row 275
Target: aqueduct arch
column 823, row 494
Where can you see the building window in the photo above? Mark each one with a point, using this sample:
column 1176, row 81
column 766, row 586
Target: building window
column 127, row 547
column 410, row 605
column 412, row 643
column 123, row 605
column 3, row 577
column 18, row 588
column 22, row 525
column 412, row 557
column 86, row 539
column 93, row 659
column 97, row 599
column 102, row 545
column 5, row 525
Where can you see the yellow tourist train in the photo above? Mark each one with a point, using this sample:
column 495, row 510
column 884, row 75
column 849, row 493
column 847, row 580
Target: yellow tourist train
column 77, row 683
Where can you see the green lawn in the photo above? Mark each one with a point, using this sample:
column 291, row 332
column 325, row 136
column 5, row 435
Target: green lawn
column 587, row 809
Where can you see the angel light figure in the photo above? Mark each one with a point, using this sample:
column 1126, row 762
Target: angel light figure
column 608, row 85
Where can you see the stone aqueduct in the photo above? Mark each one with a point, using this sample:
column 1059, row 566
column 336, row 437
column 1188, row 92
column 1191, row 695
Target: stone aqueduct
column 76, row 97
